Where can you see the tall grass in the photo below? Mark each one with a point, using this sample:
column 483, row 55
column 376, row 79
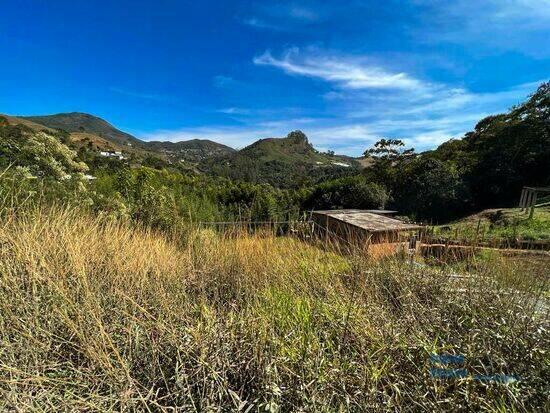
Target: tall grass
column 98, row 315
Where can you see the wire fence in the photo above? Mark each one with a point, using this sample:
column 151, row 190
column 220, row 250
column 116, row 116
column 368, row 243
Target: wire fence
column 348, row 239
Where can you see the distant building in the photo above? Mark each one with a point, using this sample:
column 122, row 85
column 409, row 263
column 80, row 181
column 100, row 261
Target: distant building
column 345, row 165
column 112, row 154
column 358, row 227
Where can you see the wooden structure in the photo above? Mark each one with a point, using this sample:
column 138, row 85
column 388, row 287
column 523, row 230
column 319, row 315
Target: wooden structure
column 528, row 198
column 359, row 227
column 386, row 212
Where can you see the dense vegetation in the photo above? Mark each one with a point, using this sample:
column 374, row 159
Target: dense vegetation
column 37, row 165
column 277, row 177
column 147, row 190
column 194, row 150
column 289, row 162
column 486, row 168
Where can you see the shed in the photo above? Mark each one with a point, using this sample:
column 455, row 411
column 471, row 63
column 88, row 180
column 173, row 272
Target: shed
column 360, row 226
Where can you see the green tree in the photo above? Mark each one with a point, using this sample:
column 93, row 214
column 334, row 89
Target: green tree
column 429, row 188
column 348, row 192
column 42, row 153
column 387, row 156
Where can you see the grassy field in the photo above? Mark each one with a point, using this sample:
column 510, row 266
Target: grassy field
column 96, row 315
column 502, row 223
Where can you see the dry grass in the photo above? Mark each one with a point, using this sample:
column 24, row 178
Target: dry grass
column 97, row 315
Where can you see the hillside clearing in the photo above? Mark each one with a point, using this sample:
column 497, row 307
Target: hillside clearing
column 503, row 223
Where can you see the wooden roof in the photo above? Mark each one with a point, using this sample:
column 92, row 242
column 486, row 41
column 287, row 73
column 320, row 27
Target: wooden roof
column 368, row 221
column 538, row 189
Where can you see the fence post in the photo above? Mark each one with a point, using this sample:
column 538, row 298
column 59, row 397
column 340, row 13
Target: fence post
column 522, row 199
column 528, row 199
column 534, row 202
column 477, row 231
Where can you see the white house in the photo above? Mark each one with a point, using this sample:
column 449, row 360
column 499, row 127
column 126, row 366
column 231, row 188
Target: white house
column 110, row 154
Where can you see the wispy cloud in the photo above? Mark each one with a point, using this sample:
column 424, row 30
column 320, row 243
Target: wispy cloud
column 367, row 100
column 460, row 99
column 345, row 72
column 349, row 138
column 502, row 24
column 283, row 16
column 259, row 23
column 261, row 113
column 235, row 111
column 356, row 136
column 140, row 95
column 422, row 126
column 530, row 13
column 303, row 13
column 224, row 82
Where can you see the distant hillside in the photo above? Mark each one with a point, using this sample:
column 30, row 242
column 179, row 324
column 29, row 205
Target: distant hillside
column 90, row 140
column 85, row 128
column 295, row 147
column 195, row 150
column 13, row 120
column 85, row 123
column 285, row 162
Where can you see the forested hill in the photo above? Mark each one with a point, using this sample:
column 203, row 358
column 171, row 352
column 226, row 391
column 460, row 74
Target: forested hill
column 282, row 162
column 194, row 150
column 83, row 122
column 286, row 162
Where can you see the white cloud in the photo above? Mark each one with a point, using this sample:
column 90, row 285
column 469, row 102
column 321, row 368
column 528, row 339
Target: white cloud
column 530, row 12
column 430, row 139
column 346, row 72
column 296, row 123
column 234, row 136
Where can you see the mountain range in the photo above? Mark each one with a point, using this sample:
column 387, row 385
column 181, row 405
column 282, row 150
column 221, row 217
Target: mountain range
column 279, row 161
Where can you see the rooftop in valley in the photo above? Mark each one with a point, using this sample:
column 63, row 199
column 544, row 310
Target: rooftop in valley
column 370, row 221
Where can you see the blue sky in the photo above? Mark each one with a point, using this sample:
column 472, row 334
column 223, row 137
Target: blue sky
column 344, row 72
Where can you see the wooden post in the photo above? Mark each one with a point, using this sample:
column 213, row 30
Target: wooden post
column 326, row 231
column 477, row 231
column 528, row 198
column 523, row 198
column 534, row 201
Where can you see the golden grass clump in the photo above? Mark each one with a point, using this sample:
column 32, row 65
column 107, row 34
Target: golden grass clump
column 100, row 315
